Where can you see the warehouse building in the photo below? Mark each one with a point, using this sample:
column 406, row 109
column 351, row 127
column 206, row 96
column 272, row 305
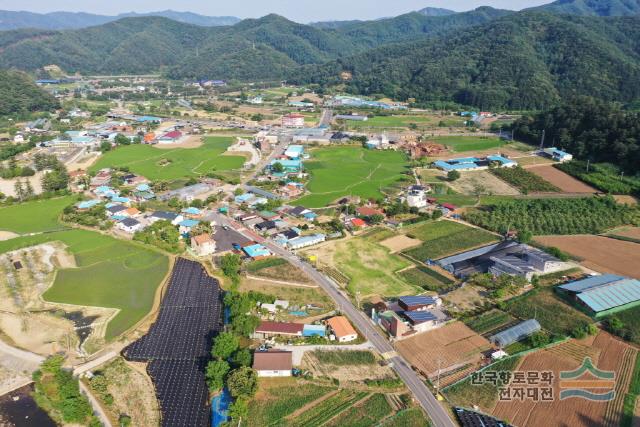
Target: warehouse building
column 474, row 163
column 604, row 295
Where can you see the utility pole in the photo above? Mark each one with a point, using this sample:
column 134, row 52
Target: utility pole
column 588, row 161
column 542, row 140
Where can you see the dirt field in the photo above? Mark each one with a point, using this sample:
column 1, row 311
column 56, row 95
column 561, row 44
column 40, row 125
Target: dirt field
column 448, row 347
column 482, row 182
column 563, row 181
column 633, row 232
column 192, row 141
column 6, row 235
column 599, row 253
column 400, row 243
column 349, row 373
column 7, row 186
column 625, row 200
column 29, row 321
column 466, row 297
column 607, row 353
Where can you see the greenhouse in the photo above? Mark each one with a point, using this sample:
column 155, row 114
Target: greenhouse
column 516, row 333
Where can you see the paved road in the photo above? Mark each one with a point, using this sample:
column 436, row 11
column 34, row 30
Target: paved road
column 420, row 391
column 277, row 150
column 326, row 117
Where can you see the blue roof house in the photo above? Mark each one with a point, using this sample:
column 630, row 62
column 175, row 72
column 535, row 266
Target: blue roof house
column 256, row 251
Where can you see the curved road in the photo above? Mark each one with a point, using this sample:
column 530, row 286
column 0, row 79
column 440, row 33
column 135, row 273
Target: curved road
column 437, row 413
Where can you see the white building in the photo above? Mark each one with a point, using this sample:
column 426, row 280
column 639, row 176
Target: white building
column 203, row 245
column 293, row 121
column 417, row 196
column 129, row 225
column 273, row 363
column 304, row 241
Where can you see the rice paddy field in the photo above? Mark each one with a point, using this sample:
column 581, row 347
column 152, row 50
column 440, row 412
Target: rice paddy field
column 342, row 171
column 171, row 164
column 443, row 238
column 34, row 217
column 110, row 273
column 460, row 144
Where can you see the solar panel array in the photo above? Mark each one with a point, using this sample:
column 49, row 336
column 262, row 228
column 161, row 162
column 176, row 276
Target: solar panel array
column 469, row 418
column 177, row 344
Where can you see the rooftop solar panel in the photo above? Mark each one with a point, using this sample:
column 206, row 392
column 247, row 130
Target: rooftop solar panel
column 420, row 316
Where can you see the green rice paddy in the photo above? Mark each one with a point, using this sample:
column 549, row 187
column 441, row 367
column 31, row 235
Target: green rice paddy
column 171, row 164
column 469, row 143
column 34, row 217
column 342, row 171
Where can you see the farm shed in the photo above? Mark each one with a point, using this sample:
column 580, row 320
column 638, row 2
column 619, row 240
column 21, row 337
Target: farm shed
column 516, row 333
column 272, row 363
column 606, row 294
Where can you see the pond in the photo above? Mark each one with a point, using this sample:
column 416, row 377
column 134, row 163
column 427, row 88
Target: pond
column 18, row 409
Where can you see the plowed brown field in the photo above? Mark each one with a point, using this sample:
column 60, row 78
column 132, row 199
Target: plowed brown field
column 563, row 181
column 608, row 354
column 445, row 348
column 599, row 253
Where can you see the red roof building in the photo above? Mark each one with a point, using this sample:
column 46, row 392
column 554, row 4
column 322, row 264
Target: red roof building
column 268, row 329
column 368, row 211
column 357, row 222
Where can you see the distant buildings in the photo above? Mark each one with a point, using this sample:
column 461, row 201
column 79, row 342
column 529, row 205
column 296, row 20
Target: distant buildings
column 352, row 117
column 474, row 163
column 293, row 120
column 189, row 193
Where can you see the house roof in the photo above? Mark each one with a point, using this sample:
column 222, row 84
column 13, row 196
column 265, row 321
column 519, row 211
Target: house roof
column 358, row 222
column 132, row 211
column 272, row 360
column 417, row 300
column 130, row 222
column 189, row 223
column 341, row 326
column 165, row 215
column 256, row 250
column 117, row 208
column 368, row 211
column 591, row 282
column 417, row 317
column 202, row 239
column 612, row 295
column 298, row 210
column 286, row 328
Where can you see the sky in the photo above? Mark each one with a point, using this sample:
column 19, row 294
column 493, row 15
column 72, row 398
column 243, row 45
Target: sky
column 298, row 10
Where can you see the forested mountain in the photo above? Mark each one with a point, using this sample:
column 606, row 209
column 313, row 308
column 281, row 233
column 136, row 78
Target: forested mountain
column 526, row 60
column 589, row 129
column 18, row 94
column 593, row 7
column 435, row 11
column 252, row 49
column 10, row 20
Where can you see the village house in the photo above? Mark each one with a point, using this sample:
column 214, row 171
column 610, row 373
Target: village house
column 272, row 363
column 267, row 329
column 342, row 329
column 203, row 245
column 293, row 120
column 129, row 225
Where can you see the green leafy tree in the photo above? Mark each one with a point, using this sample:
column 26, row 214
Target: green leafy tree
column 215, row 374
column 277, row 167
column 243, row 382
column 224, row 345
column 453, row 175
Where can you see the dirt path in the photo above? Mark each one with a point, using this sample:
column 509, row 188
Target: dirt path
column 281, row 282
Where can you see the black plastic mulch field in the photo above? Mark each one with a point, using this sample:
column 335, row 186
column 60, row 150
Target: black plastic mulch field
column 177, row 344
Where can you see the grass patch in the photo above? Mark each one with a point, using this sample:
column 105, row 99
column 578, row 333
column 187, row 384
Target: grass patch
column 630, row 330
column 552, row 313
column 426, row 278
column 274, row 403
column 443, row 240
column 485, row 395
column 157, row 164
column 628, row 410
column 111, row 273
column 413, row 417
column 524, row 180
column 345, row 357
column 371, row 268
column 364, row 415
column 261, row 264
column 489, row 321
column 34, row 217
column 469, row 143
column 428, row 231
column 342, row 171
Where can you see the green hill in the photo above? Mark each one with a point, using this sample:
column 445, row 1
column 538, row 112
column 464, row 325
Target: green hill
column 521, row 61
column 18, row 94
column 593, row 7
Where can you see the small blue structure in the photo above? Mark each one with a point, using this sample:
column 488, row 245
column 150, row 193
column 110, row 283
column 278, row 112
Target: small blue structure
column 118, row 199
column 147, row 119
column 294, row 151
column 88, row 204
column 473, row 163
column 243, row 198
column 314, row 331
column 143, row 187
column 310, row 216
column 256, row 251
column 220, row 408
column 290, row 166
column 191, row 211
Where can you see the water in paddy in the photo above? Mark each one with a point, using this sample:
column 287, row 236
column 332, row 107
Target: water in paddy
column 81, row 322
column 18, row 409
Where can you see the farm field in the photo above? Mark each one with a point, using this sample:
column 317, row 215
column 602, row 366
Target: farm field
column 552, row 313
column 367, row 413
column 111, row 273
column 399, row 243
column 426, row 278
column 482, row 182
column 607, row 353
column 34, row 217
column 565, row 182
column 156, row 164
column 343, row 171
column 602, row 254
column 444, row 238
column 489, row 321
column 454, row 345
column 370, row 268
column 409, row 417
column 626, row 233
column 461, row 144
column 524, row 180
column 397, row 121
